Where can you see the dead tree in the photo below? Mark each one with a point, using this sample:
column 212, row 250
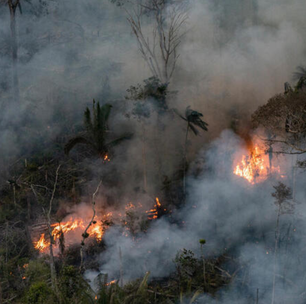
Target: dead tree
column 13, row 6
column 159, row 49
column 282, row 197
column 85, row 235
column 48, row 216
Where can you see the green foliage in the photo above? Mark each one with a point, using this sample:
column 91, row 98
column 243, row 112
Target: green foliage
column 202, row 241
column 40, row 293
column 37, row 271
column 135, row 292
column 153, row 91
column 186, row 262
column 73, row 287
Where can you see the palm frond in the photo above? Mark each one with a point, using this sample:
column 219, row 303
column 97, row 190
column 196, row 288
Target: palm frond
column 75, row 141
column 200, row 123
column 193, row 129
column 300, row 72
column 194, row 117
column 87, row 120
column 190, row 114
column 105, row 111
column 301, row 83
column 118, row 140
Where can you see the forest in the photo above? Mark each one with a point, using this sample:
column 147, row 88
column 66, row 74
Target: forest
column 152, row 151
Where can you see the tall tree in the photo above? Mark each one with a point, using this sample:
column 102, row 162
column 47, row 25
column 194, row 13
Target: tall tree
column 193, row 119
column 160, row 48
column 13, row 6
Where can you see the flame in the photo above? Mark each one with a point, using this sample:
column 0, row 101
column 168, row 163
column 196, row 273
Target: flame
column 95, row 230
column 255, row 167
column 111, row 282
column 106, row 158
column 154, row 212
column 41, row 244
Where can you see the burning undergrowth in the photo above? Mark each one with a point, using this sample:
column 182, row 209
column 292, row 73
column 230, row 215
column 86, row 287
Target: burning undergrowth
column 235, row 218
column 232, row 209
column 70, row 230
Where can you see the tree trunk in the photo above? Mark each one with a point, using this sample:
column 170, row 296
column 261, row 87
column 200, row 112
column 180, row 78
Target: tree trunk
column 144, row 160
column 185, row 160
column 85, row 234
column 121, row 268
column 14, row 48
column 275, row 253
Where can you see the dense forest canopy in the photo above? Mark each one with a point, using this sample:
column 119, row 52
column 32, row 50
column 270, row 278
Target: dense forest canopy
column 152, row 151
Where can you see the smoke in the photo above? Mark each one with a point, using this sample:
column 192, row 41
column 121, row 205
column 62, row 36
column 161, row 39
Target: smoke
column 232, row 59
column 233, row 217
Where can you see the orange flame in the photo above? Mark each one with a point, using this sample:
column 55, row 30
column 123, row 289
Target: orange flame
column 111, row 282
column 95, row 230
column 41, row 244
column 57, row 229
column 255, row 167
column 153, row 213
column 105, row 158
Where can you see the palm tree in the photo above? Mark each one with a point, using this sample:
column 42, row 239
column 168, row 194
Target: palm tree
column 300, row 72
column 193, row 119
column 96, row 131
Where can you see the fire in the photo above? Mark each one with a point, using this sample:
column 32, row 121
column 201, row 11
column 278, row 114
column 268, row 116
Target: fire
column 74, row 227
column 111, row 282
column 106, row 158
column 155, row 211
column 42, row 244
column 255, row 167
column 94, row 230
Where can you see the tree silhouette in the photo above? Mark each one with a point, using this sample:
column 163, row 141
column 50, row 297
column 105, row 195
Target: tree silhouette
column 193, row 119
column 95, row 136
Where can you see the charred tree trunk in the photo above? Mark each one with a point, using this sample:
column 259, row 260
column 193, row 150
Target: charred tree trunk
column 121, row 268
column 185, row 159
column 52, row 262
column 144, row 158
column 275, row 254
column 85, row 234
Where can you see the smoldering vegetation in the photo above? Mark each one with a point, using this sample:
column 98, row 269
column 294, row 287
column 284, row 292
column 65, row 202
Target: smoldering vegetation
column 243, row 237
